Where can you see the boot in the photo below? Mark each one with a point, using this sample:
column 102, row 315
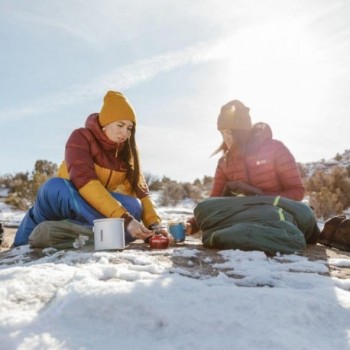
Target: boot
column 330, row 226
column 341, row 239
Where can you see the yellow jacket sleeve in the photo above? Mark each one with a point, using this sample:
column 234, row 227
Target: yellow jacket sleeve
column 149, row 212
column 100, row 199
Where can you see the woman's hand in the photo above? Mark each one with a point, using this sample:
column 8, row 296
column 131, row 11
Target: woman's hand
column 138, row 231
column 161, row 230
column 188, row 228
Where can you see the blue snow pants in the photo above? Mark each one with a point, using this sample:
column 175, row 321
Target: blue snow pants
column 58, row 199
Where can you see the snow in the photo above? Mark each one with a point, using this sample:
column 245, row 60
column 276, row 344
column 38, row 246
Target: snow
column 10, row 217
column 4, row 191
column 138, row 299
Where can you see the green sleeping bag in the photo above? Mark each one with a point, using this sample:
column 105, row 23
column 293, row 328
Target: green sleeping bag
column 266, row 223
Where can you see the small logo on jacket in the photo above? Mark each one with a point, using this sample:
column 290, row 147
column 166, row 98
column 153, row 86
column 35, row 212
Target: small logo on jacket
column 261, row 162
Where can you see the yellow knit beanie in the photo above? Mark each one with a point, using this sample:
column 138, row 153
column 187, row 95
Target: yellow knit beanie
column 234, row 115
column 116, row 107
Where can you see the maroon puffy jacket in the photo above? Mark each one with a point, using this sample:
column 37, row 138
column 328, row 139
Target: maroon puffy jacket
column 267, row 165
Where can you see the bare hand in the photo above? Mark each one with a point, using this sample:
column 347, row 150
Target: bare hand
column 138, row 231
column 188, row 228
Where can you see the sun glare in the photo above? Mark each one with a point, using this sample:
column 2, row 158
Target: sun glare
column 271, row 62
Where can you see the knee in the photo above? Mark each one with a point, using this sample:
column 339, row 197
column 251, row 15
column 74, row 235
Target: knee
column 54, row 182
column 52, row 185
column 131, row 204
column 135, row 207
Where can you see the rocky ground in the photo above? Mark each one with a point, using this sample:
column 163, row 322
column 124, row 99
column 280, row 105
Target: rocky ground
column 202, row 262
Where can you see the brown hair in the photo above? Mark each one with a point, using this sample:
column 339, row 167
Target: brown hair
column 131, row 157
column 241, row 138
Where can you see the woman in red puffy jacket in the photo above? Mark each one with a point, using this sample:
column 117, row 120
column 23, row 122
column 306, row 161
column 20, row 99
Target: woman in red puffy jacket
column 253, row 163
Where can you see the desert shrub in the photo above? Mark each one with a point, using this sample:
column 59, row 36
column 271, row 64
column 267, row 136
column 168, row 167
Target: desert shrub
column 329, row 192
column 173, row 193
column 23, row 187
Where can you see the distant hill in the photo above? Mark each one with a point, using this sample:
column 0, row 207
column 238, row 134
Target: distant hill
column 340, row 160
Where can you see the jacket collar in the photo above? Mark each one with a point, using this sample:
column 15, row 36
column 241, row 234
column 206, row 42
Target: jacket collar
column 95, row 128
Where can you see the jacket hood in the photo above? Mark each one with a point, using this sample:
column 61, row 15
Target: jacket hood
column 93, row 125
column 259, row 134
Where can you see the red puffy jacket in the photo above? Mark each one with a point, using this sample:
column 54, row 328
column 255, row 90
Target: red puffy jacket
column 91, row 165
column 267, row 165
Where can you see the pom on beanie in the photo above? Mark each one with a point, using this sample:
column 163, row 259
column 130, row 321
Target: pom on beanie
column 234, row 115
column 116, row 107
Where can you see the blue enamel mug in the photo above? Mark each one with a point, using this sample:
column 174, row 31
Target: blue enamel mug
column 177, row 230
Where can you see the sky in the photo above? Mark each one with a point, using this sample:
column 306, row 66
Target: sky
column 178, row 63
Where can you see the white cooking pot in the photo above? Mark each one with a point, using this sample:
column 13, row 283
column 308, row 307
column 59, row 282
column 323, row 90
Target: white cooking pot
column 109, row 234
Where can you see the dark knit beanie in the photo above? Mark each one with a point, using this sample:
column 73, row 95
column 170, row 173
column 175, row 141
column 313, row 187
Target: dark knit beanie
column 234, row 115
column 116, row 107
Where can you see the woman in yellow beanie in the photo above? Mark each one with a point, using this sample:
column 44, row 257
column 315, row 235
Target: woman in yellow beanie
column 99, row 178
